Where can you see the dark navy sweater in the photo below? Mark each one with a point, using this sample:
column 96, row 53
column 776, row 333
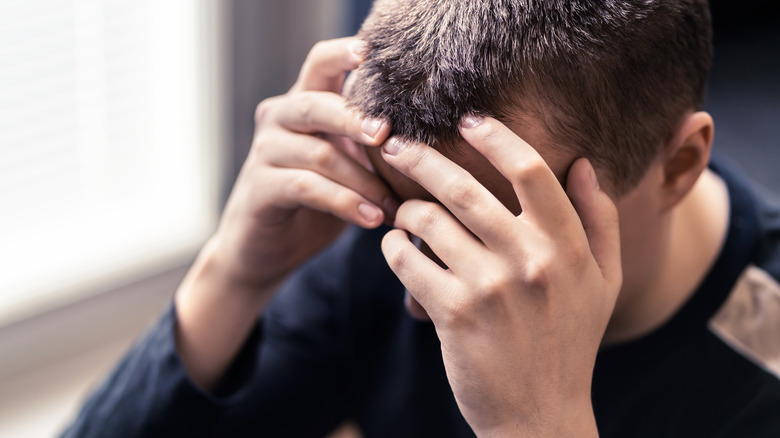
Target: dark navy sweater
column 337, row 344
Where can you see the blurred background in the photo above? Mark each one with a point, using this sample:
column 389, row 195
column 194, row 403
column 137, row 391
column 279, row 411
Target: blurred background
column 123, row 126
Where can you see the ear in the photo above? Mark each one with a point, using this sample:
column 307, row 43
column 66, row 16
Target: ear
column 686, row 156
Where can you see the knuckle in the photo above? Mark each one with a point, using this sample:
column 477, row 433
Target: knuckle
column 262, row 110
column 458, row 306
column 265, row 140
column 536, row 277
column 487, row 291
column 346, row 124
column 462, row 193
column 343, row 201
column 577, row 252
column 456, row 311
column 317, row 48
column 415, row 159
column 305, row 107
column 320, row 155
column 300, row 185
column 429, row 217
column 396, row 258
column 462, row 309
column 491, row 286
column 313, row 54
column 260, row 143
column 489, row 132
column 530, row 169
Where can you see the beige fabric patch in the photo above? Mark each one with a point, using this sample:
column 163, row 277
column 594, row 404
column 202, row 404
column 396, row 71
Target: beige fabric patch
column 749, row 320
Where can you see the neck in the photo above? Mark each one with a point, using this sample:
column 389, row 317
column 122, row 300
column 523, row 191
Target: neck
column 689, row 243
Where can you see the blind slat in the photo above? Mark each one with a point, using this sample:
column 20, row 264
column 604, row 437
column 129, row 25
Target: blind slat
column 99, row 132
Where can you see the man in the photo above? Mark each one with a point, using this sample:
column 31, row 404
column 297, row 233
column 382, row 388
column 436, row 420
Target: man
column 576, row 268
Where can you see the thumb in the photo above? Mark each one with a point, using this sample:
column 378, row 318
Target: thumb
column 599, row 218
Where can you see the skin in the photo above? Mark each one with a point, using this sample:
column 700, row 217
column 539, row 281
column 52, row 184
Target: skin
column 678, row 200
column 526, row 271
column 287, row 204
column 523, row 274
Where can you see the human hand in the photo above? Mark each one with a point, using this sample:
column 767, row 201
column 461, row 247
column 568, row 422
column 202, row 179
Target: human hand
column 523, row 302
column 303, row 180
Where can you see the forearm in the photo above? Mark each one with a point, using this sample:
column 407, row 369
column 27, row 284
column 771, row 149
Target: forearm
column 148, row 394
column 215, row 315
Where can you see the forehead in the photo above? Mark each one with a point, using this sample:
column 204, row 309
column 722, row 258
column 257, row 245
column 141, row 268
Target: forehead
column 465, row 156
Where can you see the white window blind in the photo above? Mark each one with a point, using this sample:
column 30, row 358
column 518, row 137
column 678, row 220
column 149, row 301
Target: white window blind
column 108, row 154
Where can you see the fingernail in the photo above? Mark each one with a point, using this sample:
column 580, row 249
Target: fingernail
column 371, row 126
column 359, row 48
column 593, row 178
column 471, row 121
column 370, row 213
column 394, row 146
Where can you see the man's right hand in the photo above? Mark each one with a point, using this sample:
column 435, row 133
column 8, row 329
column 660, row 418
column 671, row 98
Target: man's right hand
column 303, row 181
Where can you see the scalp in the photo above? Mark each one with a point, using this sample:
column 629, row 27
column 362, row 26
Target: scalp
column 584, row 69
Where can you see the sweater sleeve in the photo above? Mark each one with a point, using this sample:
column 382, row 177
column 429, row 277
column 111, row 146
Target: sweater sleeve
column 150, row 394
column 291, row 378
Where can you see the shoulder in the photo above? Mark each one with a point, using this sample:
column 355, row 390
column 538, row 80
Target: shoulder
column 748, row 320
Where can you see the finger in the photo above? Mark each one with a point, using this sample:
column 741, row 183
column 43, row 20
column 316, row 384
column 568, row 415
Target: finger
column 313, row 112
column 318, row 155
column 328, row 62
column 446, row 237
column 599, row 218
column 541, row 196
column 307, row 188
column 454, row 187
column 426, row 281
column 351, row 148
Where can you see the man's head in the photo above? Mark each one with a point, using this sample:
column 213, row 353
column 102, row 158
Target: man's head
column 608, row 80
column 618, row 82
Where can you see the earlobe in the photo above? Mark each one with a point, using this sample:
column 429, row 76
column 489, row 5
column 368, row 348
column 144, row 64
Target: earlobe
column 686, row 156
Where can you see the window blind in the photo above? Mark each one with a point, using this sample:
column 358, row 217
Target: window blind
column 108, row 156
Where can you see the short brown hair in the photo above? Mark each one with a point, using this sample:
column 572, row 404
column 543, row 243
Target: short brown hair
column 610, row 80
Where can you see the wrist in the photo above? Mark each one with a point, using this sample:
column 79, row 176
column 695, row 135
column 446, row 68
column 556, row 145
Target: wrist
column 215, row 273
column 249, row 257
column 222, row 263
column 577, row 421
column 215, row 314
